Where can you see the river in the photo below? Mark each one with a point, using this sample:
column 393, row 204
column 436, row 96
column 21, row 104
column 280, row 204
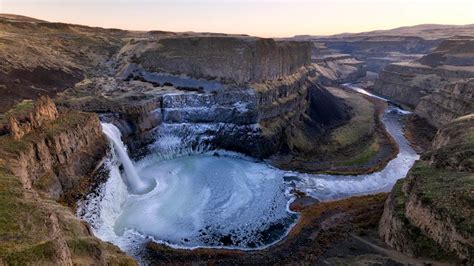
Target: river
column 218, row 199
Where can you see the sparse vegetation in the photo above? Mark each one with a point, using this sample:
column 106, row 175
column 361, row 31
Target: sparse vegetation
column 20, row 110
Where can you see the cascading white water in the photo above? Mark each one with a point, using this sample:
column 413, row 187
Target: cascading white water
column 136, row 185
column 215, row 200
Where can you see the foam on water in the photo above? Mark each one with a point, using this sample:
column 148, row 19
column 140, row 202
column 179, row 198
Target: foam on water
column 203, row 200
column 200, row 200
column 136, row 184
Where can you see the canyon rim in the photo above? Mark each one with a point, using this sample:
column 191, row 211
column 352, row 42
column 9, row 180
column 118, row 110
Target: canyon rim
column 125, row 147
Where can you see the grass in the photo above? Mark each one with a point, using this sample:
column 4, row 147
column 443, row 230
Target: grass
column 421, row 244
column 46, row 181
column 21, row 109
column 26, row 226
column 362, row 124
column 448, row 192
column 37, row 254
column 364, row 157
column 22, row 223
column 10, row 147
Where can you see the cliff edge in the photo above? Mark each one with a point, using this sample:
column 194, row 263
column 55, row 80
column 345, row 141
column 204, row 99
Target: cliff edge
column 429, row 213
column 45, row 157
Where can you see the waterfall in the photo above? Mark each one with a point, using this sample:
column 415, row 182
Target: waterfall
column 136, row 185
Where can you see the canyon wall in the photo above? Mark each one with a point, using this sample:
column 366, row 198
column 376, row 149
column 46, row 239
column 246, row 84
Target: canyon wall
column 380, row 48
column 339, row 68
column 253, row 119
column 429, row 213
column 229, row 92
column 448, row 103
column 47, row 162
column 376, row 51
column 408, row 82
column 237, row 59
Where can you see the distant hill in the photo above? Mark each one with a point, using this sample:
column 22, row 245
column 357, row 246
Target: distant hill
column 425, row 31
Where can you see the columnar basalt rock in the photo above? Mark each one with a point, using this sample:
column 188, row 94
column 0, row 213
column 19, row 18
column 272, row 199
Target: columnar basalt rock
column 57, row 156
column 229, row 58
column 248, row 118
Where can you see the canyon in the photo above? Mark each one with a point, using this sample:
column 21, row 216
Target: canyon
column 98, row 124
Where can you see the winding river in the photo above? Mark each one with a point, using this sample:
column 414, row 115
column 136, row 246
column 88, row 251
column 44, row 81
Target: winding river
column 218, row 199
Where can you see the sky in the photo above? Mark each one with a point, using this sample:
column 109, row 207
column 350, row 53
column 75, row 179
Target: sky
column 265, row 18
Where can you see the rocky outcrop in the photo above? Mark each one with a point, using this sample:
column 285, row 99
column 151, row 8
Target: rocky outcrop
column 408, row 82
column 43, row 111
column 380, row 48
column 429, row 213
column 251, row 118
column 229, row 58
column 454, row 143
column 455, row 52
column 339, row 68
column 450, row 102
column 58, row 151
column 378, row 51
column 55, row 156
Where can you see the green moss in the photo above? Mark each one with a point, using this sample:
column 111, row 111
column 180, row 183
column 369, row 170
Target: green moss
column 66, row 122
column 22, row 223
column 9, row 146
column 362, row 123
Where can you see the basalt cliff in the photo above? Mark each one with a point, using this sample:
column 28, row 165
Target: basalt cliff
column 408, row 82
column 45, row 158
column 429, row 213
column 274, row 100
column 382, row 47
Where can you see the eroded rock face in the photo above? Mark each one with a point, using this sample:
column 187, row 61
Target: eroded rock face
column 408, row 82
column 450, row 102
column 56, row 156
column 56, row 162
column 253, row 119
column 429, row 213
column 256, row 119
column 378, row 51
column 236, row 59
column 339, row 68
column 44, row 110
